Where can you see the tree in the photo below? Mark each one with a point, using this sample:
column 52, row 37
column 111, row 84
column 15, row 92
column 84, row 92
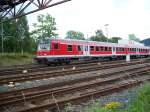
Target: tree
column 114, row 39
column 45, row 27
column 99, row 36
column 16, row 36
column 99, row 33
column 133, row 37
column 26, row 40
column 75, row 35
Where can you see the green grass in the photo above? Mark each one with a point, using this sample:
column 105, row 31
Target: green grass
column 140, row 104
column 9, row 59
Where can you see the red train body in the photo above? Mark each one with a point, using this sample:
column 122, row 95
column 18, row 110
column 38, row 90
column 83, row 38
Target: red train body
column 61, row 50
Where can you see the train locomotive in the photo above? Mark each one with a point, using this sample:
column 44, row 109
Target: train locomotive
column 65, row 50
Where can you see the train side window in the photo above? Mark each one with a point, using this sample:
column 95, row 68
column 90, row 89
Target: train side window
column 92, row 48
column 80, row 48
column 105, row 48
column 69, row 47
column 109, row 48
column 55, row 45
column 97, row 48
column 120, row 49
column 134, row 49
column 101, row 48
column 116, row 48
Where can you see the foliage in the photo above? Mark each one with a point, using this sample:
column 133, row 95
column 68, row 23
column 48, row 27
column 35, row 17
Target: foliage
column 114, row 39
column 112, row 105
column 45, row 27
column 133, row 37
column 99, row 36
column 75, row 35
column 96, row 107
column 16, row 37
column 142, row 102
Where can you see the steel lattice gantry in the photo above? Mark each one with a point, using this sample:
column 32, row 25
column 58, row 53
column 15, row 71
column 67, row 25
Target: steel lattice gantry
column 17, row 8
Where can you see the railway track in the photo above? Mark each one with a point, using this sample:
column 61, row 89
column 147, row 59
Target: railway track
column 4, row 71
column 38, row 95
column 108, row 85
column 18, row 69
column 83, row 97
column 56, row 73
column 96, row 80
column 78, row 78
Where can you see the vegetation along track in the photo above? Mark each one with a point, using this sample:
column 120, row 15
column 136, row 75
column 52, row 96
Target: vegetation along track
column 103, row 85
column 4, row 71
column 56, row 73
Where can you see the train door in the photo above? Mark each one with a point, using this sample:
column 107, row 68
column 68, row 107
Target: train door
column 137, row 50
column 86, row 51
column 113, row 50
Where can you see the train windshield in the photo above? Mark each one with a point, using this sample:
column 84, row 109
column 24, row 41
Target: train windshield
column 44, row 44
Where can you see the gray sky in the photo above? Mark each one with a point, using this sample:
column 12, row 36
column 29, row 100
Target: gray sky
column 123, row 16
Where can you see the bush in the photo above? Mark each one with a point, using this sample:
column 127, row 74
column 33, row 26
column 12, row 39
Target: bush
column 142, row 102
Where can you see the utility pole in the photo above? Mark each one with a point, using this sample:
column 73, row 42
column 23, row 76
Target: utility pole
column 2, row 36
column 106, row 27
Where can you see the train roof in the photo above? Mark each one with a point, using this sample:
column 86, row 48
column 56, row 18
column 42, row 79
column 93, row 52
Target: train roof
column 87, row 42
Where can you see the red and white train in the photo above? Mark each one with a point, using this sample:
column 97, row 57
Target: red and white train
column 62, row 50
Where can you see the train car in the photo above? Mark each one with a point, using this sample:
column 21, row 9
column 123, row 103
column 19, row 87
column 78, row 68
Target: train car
column 65, row 50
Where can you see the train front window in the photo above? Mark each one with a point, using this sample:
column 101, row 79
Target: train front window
column 44, row 44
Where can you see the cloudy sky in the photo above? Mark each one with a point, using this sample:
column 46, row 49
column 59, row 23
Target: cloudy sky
column 123, row 16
